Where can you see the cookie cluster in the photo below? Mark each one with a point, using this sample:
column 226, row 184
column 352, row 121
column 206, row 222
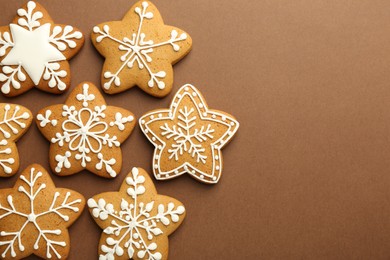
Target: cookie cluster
column 85, row 133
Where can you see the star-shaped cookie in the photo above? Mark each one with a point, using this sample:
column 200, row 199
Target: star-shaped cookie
column 136, row 221
column 188, row 137
column 35, row 216
column 140, row 50
column 14, row 122
column 34, row 52
column 85, row 133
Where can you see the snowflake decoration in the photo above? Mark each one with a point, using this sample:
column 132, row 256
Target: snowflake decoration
column 135, row 219
column 34, row 214
column 33, row 52
column 14, row 122
column 84, row 132
column 144, row 54
column 188, row 136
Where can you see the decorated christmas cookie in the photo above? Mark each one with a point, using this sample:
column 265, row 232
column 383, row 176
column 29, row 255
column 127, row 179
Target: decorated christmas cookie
column 140, row 50
column 85, row 133
column 34, row 52
column 188, row 137
column 14, row 122
column 35, row 216
column 136, row 221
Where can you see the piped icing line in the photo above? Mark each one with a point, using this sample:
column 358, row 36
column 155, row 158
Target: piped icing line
column 184, row 132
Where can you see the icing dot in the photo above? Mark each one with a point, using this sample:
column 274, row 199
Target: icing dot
column 214, row 178
column 201, row 176
column 160, row 115
column 152, row 116
column 142, row 121
column 200, row 105
column 159, row 147
column 217, row 167
column 174, row 104
column 232, row 123
column 170, row 114
column 193, row 171
column 213, row 116
column 204, row 114
column 95, row 29
column 146, row 131
column 154, row 138
column 223, row 118
column 176, row 172
column 186, row 88
column 157, row 157
column 179, row 96
column 156, row 166
column 194, row 94
column 216, row 157
column 159, row 175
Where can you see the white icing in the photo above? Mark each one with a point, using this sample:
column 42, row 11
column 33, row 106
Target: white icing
column 138, row 50
column 196, row 140
column 9, row 126
column 15, row 238
column 133, row 220
column 84, row 133
column 34, row 49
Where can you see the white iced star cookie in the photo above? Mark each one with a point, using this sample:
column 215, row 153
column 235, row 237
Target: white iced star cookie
column 136, row 221
column 188, row 137
column 34, row 52
column 85, row 133
column 15, row 120
column 140, row 50
column 35, row 216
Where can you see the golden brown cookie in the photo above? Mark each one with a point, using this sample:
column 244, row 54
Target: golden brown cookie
column 34, row 52
column 140, row 50
column 136, row 221
column 85, row 133
column 14, row 122
column 35, row 216
column 188, row 137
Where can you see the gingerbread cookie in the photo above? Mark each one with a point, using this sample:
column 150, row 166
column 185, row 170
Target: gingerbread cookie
column 14, row 122
column 35, row 215
column 140, row 50
column 188, row 137
column 136, row 221
column 34, row 52
column 85, row 133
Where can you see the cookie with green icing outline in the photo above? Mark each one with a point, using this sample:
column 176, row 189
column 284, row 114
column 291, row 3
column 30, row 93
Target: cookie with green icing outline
column 85, row 133
column 140, row 50
column 34, row 51
column 35, row 216
column 188, row 137
column 136, row 221
column 15, row 120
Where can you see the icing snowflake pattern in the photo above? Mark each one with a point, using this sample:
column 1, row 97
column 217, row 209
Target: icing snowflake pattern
column 137, row 49
column 189, row 134
column 32, row 187
column 131, row 226
column 15, row 121
column 34, row 47
column 84, row 131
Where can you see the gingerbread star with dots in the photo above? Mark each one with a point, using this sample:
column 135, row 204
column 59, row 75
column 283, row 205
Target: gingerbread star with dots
column 85, row 133
column 34, row 52
column 188, row 137
column 140, row 50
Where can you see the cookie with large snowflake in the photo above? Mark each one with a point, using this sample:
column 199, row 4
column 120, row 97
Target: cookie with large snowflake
column 14, row 122
column 136, row 221
column 34, row 51
column 140, row 50
column 35, row 216
column 85, row 133
column 188, row 137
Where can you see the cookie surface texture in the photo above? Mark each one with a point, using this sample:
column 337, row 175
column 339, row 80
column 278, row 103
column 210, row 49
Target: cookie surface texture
column 34, row 51
column 85, row 133
column 188, row 137
column 136, row 221
column 15, row 120
column 35, row 216
column 140, row 50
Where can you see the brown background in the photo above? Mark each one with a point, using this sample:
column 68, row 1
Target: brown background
column 308, row 174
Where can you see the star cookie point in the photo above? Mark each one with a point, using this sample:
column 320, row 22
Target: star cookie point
column 34, row 52
column 188, row 137
column 85, row 133
column 140, row 50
